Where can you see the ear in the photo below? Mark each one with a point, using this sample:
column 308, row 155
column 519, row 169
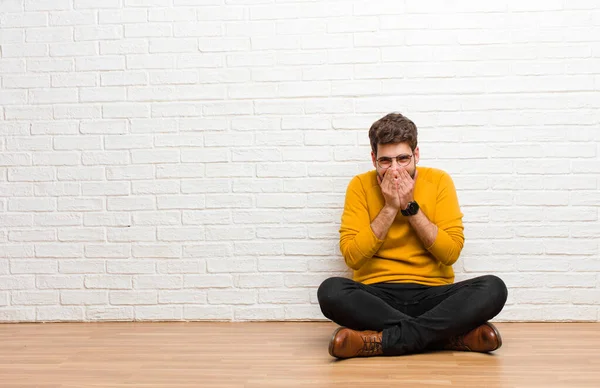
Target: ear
column 417, row 155
column 374, row 159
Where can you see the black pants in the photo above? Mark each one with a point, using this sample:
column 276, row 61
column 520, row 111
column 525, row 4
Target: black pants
column 413, row 317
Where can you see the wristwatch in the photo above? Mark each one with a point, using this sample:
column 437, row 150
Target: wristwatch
column 411, row 209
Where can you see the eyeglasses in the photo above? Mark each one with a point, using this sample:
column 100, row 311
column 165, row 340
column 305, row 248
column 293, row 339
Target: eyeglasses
column 386, row 161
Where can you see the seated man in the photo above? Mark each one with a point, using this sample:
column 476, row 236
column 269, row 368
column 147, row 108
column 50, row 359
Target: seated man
column 401, row 231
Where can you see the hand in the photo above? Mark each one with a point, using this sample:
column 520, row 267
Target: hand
column 406, row 186
column 390, row 189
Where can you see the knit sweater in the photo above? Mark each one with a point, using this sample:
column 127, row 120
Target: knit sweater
column 401, row 257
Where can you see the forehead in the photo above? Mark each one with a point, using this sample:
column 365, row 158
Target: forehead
column 393, row 149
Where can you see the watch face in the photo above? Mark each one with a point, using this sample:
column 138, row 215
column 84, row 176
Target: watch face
column 413, row 208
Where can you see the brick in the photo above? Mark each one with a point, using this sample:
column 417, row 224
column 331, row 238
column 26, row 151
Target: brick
column 162, row 251
column 281, row 233
column 71, row 18
column 210, row 313
column 133, row 297
column 181, row 202
column 33, row 266
column 171, row 14
column 155, row 156
column 182, row 267
column 231, row 265
column 77, row 111
column 102, row 250
column 167, row 77
column 270, row 313
column 132, row 234
column 125, row 110
column 228, row 201
column 101, row 94
column 129, row 173
column 283, row 296
column 207, row 250
column 37, row 298
column 103, row 63
column 86, row 297
column 16, row 220
column 158, row 313
column 31, row 204
column 224, row 44
column 50, row 65
column 84, row 4
column 48, row 34
column 15, row 159
column 58, row 250
column 12, row 66
column 123, row 78
column 122, row 142
column 79, row 267
column 131, row 202
column 13, row 48
column 28, row 113
column 266, row 281
column 207, row 281
column 281, row 200
column 183, row 297
column 31, row 235
column 103, row 127
column 121, row 16
column 232, row 297
column 154, row 282
column 304, row 313
column 180, row 171
column 219, row 233
column 48, row 282
column 57, row 219
column 148, row 30
column 109, row 313
column 80, row 204
column 114, row 282
column 80, row 173
column 13, row 282
column 107, row 219
column 56, row 158
column 259, row 248
column 163, row 187
column 181, row 234
column 17, row 314
column 72, row 80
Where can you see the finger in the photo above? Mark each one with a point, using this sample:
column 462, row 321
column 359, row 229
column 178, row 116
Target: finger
column 406, row 176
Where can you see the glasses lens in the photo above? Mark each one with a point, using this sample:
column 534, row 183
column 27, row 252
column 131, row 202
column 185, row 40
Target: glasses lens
column 385, row 162
column 403, row 160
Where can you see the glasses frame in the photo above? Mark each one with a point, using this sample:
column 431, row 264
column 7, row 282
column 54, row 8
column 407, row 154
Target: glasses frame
column 397, row 158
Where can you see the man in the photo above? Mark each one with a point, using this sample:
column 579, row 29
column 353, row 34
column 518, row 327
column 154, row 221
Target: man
column 401, row 231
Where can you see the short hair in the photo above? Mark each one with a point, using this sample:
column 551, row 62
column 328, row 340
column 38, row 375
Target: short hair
column 393, row 128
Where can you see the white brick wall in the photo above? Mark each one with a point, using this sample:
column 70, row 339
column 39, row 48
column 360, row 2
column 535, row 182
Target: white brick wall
column 187, row 159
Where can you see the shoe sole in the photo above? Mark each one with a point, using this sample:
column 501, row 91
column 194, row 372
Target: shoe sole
column 331, row 343
column 497, row 335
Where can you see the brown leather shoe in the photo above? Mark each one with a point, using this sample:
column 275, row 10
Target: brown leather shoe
column 484, row 338
column 347, row 343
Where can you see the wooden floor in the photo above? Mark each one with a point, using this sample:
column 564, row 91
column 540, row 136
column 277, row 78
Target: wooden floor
column 263, row 355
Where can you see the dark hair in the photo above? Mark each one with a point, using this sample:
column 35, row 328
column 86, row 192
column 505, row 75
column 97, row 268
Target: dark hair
column 393, row 128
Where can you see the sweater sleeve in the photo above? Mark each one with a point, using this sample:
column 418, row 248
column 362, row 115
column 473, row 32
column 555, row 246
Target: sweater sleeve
column 450, row 238
column 358, row 243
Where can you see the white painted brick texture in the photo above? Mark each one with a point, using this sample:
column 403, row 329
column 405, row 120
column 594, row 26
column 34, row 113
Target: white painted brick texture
column 187, row 160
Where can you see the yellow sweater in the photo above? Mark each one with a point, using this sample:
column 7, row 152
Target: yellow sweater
column 401, row 257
